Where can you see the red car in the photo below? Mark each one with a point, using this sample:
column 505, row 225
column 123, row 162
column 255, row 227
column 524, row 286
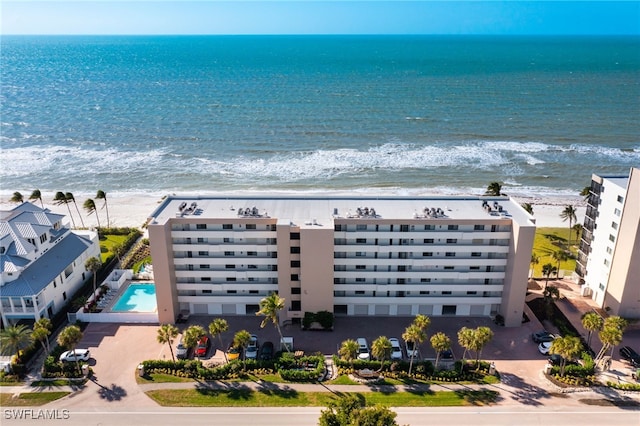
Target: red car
column 203, row 346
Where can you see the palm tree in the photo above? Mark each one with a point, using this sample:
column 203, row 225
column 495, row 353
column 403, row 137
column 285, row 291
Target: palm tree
column 36, row 195
column 586, row 192
column 69, row 338
column 270, row 307
column 59, row 199
column 547, row 270
column 615, row 322
column 14, row 339
column 241, row 340
column 216, row 328
column 577, row 228
column 416, row 336
column 559, row 256
column 41, row 332
column 591, row 322
column 381, row 349
column 527, row 208
column 610, row 338
column 192, row 336
column 567, row 347
column 166, row 334
column 481, row 336
column 101, row 195
column 349, row 350
column 440, row 342
column 535, row 259
column 465, row 339
column 569, row 213
column 93, row 264
column 494, row 188
column 71, row 199
column 17, row 198
column 90, row 206
column 422, row 321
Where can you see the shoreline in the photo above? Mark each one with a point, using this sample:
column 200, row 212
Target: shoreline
column 132, row 210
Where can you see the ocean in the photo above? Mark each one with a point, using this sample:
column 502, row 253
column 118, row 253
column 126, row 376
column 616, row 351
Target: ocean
column 371, row 114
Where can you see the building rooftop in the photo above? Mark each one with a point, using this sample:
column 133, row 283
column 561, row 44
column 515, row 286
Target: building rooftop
column 322, row 211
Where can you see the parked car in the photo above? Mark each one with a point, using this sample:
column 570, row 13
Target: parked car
column 233, row 353
column 556, row 359
column 182, row 352
column 203, row 346
column 629, row 355
column 363, row 349
column 412, row 349
column 448, row 354
column 252, row 348
column 396, row 350
column 543, row 336
column 75, row 355
column 266, row 351
column 544, row 347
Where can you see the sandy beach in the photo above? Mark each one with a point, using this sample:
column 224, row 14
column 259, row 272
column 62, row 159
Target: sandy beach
column 133, row 210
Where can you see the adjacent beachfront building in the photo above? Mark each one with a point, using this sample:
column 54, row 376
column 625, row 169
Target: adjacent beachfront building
column 368, row 256
column 41, row 262
column 609, row 257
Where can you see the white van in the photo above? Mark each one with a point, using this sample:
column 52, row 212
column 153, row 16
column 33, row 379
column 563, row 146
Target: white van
column 363, row 349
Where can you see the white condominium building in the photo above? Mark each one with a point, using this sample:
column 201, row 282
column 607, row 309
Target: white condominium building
column 382, row 256
column 609, row 258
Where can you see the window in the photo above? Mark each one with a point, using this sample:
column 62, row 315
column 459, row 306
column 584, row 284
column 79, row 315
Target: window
column 617, row 212
column 474, row 268
column 337, row 228
column 472, row 292
column 229, row 253
column 452, row 227
column 231, row 279
column 404, row 228
column 361, row 240
column 204, row 266
column 601, row 286
column 361, row 254
column 427, row 254
column 476, row 254
column 296, row 305
column 253, row 291
column 612, row 238
column 614, row 225
column 425, row 280
column 295, row 250
column 230, row 266
column 428, row 240
column 361, row 227
column 359, row 291
column 361, row 267
column 227, row 240
column 294, row 277
column 205, row 279
column 424, row 292
column 64, row 295
column 446, row 293
column 232, row 291
column 609, row 250
column 294, row 235
column 452, row 240
column 478, row 227
column 620, row 198
column 360, row 280
column 295, row 290
column 429, row 227
column 203, row 253
column 206, row 291
column 227, row 226
column 252, row 266
column 251, row 226
column 448, row 268
column 201, row 226
column 295, row 263
column 252, row 253
column 450, row 254
column 606, row 262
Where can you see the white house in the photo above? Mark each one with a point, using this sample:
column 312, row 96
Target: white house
column 41, row 262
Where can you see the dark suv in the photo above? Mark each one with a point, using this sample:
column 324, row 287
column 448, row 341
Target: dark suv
column 629, row 355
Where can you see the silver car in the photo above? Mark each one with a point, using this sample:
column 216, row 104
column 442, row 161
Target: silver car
column 75, row 355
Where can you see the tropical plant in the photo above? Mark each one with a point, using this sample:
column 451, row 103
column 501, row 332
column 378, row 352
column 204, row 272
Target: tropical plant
column 592, row 321
column 465, row 339
column 577, row 228
column 101, row 195
column 422, row 321
column 71, row 199
column 528, row 208
column 69, row 338
column 270, row 307
column 550, row 295
column 567, row 347
column 93, row 264
column 381, row 349
column 90, row 206
column 547, row 270
column 192, row 335
column 216, row 328
column 349, row 410
column 569, row 213
column 586, row 192
column 481, row 336
column 494, row 188
column 60, row 199
column 610, row 338
column 416, row 336
column 36, row 195
column 348, row 350
column 166, row 334
column 440, row 343
column 41, row 332
column 241, row 340
column 535, row 259
column 14, row 339
column 559, row 256
column 17, row 198
column 615, row 322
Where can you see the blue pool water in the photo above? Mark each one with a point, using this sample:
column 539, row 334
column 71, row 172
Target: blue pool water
column 137, row 298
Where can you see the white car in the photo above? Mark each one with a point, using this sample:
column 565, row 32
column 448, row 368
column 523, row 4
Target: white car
column 363, row 349
column 412, row 350
column 75, row 355
column 252, row 348
column 396, row 350
column 544, row 347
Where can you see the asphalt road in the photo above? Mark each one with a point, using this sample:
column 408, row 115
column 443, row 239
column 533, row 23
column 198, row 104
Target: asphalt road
column 477, row 416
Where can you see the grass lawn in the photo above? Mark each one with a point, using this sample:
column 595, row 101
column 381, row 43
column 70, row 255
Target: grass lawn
column 549, row 240
column 246, row 397
column 57, row 382
column 30, row 398
column 107, row 243
column 161, row 378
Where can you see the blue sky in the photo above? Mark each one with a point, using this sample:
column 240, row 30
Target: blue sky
column 319, row 17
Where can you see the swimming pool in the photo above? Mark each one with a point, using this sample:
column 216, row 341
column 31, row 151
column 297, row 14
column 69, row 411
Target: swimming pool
column 139, row 297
